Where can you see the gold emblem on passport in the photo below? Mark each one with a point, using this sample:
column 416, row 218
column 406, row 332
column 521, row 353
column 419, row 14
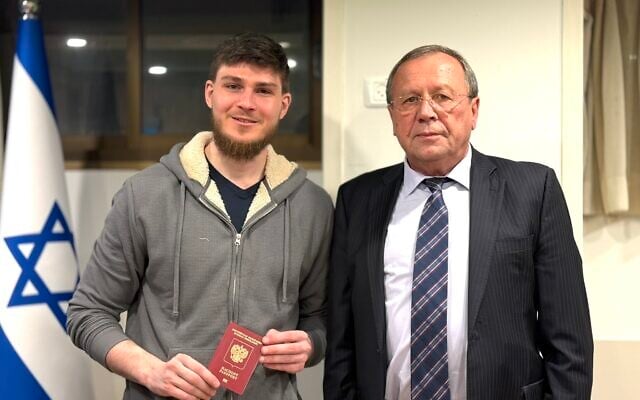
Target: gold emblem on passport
column 238, row 353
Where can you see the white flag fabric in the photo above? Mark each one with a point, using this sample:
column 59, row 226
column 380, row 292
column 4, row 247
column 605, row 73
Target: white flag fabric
column 38, row 263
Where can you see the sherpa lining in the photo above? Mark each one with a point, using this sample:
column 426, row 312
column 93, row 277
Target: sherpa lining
column 277, row 170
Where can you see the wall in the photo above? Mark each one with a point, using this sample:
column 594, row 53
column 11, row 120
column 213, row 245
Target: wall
column 612, row 273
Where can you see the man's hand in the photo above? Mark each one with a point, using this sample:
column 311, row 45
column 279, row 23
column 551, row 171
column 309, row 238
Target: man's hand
column 286, row 351
column 181, row 377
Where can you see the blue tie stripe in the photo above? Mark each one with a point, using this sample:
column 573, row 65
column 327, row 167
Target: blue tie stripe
column 433, row 244
column 434, row 291
column 430, row 268
column 437, row 339
column 436, row 218
column 436, row 377
column 430, row 380
column 443, row 392
column 428, row 331
column 429, row 362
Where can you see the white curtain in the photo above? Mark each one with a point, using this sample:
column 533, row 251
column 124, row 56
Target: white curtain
column 612, row 107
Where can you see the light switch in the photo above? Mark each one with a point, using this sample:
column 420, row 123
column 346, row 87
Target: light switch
column 375, row 92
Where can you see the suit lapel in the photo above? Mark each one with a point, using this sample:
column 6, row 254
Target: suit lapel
column 487, row 190
column 381, row 204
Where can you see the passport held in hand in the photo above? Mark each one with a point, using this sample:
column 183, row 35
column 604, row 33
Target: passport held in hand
column 236, row 357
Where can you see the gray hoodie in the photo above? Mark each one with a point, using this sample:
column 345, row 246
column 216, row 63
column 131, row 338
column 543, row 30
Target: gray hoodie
column 170, row 256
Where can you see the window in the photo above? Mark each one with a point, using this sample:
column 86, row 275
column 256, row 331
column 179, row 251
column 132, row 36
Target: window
column 131, row 84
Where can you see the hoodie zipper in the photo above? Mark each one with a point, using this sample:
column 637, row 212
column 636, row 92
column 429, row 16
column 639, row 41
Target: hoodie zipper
column 236, row 252
column 236, row 259
column 237, row 243
column 234, row 271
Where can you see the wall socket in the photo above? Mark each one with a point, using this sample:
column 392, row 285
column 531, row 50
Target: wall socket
column 375, row 92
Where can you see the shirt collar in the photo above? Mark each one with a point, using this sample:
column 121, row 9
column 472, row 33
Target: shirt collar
column 460, row 174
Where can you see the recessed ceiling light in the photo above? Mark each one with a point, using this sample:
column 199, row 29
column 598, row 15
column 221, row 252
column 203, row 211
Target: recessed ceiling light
column 292, row 63
column 157, row 70
column 76, row 42
column 285, row 45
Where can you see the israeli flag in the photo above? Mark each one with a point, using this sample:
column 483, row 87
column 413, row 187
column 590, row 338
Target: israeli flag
column 38, row 264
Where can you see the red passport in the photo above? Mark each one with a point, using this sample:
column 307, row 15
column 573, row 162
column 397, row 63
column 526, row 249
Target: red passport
column 236, row 357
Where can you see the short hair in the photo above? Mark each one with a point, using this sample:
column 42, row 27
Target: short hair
column 254, row 49
column 469, row 75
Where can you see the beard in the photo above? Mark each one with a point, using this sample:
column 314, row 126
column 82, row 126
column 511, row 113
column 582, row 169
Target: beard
column 240, row 151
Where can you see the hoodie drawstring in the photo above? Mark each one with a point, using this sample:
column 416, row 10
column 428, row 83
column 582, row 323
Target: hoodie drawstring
column 286, row 247
column 176, row 257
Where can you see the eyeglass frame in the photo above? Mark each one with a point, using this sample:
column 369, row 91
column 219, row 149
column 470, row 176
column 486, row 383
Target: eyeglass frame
column 434, row 105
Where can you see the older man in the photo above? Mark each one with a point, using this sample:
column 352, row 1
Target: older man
column 453, row 275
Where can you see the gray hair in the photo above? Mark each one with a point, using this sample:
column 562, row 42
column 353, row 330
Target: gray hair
column 469, row 75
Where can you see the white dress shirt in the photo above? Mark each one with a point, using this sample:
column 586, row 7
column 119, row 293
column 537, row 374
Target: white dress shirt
column 399, row 252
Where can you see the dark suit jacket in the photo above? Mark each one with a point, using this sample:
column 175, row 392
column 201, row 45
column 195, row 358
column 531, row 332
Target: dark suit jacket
column 529, row 333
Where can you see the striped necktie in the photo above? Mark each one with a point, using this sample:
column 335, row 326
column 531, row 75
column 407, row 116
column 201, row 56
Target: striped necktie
column 429, row 364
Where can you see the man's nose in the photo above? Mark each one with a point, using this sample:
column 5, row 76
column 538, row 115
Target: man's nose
column 426, row 111
column 247, row 100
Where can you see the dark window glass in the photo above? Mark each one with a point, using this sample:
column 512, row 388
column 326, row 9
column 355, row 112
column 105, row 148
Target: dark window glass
column 112, row 112
column 179, row 42
column 88, row 80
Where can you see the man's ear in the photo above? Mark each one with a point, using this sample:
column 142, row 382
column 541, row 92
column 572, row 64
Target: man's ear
column 286, row 102
column 393, row 123
column 475, row 108
column 208, row 93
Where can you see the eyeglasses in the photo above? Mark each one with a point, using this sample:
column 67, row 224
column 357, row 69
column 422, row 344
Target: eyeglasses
column 439, row 101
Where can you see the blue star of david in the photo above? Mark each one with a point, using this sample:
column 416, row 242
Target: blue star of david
column 28, row 265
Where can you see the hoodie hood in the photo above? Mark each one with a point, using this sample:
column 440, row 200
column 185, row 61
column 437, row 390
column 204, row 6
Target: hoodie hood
column 188, row 163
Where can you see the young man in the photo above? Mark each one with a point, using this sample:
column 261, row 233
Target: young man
column 221, row 229
column 454, row 275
